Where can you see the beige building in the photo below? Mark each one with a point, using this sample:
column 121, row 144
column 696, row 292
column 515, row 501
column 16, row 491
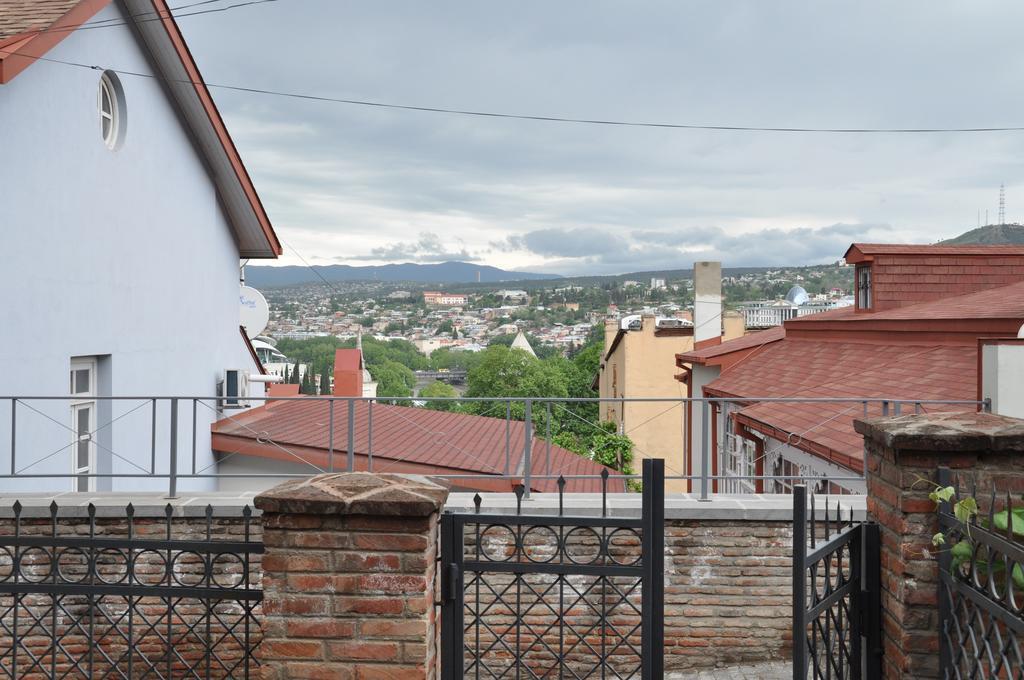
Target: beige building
column 640, row 362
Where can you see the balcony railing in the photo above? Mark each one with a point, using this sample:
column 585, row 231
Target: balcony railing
column 152, row 443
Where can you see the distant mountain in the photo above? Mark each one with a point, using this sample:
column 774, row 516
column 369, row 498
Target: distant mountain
column 993, row 234
column 443, row 272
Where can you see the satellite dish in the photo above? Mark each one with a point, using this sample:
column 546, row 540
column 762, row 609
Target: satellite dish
column 255, row 312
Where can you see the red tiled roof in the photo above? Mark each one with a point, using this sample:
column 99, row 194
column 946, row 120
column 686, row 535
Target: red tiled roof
column 1003, row 302
column 22, row 16
column 925, row 249
column 748, row 341
column 822, row 369
column 404, row 438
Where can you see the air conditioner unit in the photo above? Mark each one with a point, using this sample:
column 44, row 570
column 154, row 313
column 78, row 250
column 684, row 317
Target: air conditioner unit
column 234, row 389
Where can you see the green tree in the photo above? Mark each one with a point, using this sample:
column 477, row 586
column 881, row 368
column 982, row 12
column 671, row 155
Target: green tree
column 505, row 372
column 296, row 373
column 439, row 389
column 306, row 387
column 325, row 383
column 393, row 379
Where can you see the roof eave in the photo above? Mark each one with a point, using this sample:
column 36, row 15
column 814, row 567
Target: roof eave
column 19, row 52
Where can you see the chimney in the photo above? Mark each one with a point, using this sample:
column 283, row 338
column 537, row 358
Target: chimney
column 707, row 303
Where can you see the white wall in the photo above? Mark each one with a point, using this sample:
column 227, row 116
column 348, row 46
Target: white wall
column 1002, row 377
column 123, row 253
column 701, row 376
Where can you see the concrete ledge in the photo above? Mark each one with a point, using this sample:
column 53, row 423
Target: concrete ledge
column 112, row 504
column 356, row 493
column 943, row 432
column 739, row 507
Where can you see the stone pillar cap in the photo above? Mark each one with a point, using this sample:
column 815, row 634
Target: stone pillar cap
column 962, row 432
column 356, row 493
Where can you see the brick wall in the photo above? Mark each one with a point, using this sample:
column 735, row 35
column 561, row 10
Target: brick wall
column 349, row 578
column 902, row 455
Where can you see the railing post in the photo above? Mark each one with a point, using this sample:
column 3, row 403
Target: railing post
column 527, row 447
column 351, row 465
column 172, row 491
column 652, row 608
column 799, row 582
column 705, row 450
column 14, row 433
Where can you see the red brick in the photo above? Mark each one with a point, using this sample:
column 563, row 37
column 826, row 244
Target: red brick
column 291, row 649
column 362, row 650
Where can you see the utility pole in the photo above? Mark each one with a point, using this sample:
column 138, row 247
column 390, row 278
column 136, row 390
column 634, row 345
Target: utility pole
column 1002, row 204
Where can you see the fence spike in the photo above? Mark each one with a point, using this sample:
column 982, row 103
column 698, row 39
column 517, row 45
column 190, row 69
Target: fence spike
column 1009, row 521
column 17, row 508
column 828, row 520
column 53, row 508
column 561, row 495
column 814, row 521
column 992, row 509
column 604, row 492
column 519, row 491
column 129, row 510
column 477, row 501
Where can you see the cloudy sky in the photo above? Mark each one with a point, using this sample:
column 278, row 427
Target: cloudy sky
column 361, row 185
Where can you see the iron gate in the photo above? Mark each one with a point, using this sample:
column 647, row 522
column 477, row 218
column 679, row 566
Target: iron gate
column 555, row 596
column 127, row 597
column 837, row 617
column 981, row 578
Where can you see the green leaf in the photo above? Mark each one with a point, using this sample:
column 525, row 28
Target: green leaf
column 1000, row 519
column 965, row 509
column 939, row 539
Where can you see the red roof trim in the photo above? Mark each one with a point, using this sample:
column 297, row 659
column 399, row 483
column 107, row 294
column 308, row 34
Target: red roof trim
column 23, row 51
column 167, row 19
column 19, row 52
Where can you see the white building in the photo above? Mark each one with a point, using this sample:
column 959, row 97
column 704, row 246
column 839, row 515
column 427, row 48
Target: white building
column 769, row 313
column 124, row 215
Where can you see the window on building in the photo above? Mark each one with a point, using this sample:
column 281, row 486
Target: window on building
column 110, row 103
column 864, row 287
column 83, row 423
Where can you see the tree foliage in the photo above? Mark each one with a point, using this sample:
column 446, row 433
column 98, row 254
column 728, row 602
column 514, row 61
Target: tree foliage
column 439, row 389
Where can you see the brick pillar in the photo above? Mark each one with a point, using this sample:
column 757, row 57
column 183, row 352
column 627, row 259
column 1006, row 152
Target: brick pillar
column 899, row 452
column 348, row 577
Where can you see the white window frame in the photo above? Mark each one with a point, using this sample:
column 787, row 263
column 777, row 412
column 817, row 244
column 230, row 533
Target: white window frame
column 83, row 401
column 113, row 115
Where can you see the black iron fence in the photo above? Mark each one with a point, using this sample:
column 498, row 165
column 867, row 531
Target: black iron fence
column 981, row 589
column 127, row 597
column 836, row 593
column 555, row 596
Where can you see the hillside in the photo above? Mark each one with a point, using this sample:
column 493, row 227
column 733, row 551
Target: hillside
column 992, row 234
column 443, row 272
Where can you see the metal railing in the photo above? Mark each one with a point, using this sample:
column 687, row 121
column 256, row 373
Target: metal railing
column 169, row 437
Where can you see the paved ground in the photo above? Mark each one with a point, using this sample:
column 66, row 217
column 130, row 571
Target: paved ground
column 766, row 671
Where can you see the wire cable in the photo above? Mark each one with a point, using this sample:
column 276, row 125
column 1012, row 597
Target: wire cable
column 530, row 117
column 134, row 18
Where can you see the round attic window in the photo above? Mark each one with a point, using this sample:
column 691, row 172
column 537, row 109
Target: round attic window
column 110, row 103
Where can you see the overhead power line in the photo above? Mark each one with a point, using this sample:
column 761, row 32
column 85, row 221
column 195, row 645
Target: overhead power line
column 152, row 16
column 533, row 117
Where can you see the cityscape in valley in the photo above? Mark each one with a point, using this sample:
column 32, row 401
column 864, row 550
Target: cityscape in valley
column 457, row 339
